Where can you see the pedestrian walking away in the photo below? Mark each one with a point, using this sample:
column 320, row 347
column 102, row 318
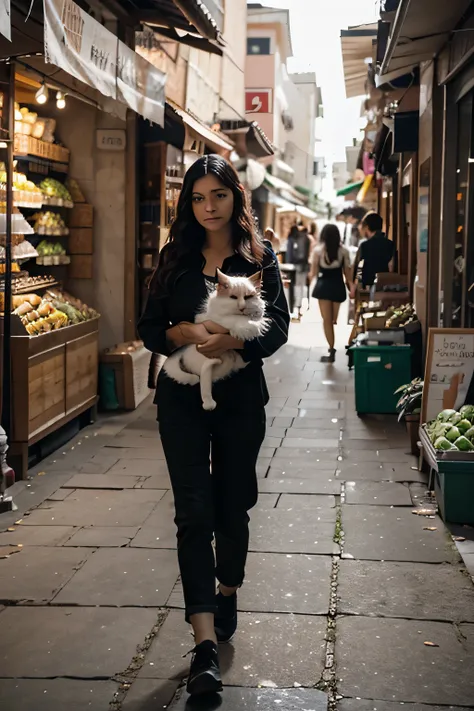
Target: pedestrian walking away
column 213, row 234
column 298, row 253
column 376, row 252
column 331, row 266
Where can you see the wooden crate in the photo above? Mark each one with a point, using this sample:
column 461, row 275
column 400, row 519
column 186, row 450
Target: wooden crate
column 81, row 240
column 81, row 266
column 81, row 215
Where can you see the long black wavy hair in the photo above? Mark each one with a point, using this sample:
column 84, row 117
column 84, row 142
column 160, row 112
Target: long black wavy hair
column 187, row 236
column 331, row 238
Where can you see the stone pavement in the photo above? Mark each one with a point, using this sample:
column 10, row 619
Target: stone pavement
column 352, row 602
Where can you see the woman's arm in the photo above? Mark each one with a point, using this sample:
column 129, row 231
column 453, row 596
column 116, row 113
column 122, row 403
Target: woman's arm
column 276, row 311
column 314, row 271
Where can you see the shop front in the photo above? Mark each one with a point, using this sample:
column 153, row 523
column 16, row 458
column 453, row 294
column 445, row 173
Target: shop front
column 69, row 215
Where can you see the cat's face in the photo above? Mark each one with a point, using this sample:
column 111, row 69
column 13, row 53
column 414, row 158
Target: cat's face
column 240, row 295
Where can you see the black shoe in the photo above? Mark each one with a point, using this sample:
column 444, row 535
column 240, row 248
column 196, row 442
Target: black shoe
column 225, row 622
column 204, row 675
column 329, row 358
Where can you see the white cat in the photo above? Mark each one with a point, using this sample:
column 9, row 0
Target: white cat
column 235, row 305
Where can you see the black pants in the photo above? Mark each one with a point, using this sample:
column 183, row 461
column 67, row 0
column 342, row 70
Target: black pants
column 211, row 458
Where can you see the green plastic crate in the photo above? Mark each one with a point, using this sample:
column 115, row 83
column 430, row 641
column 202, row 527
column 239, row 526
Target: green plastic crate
column 379, row 371
column 454, row 486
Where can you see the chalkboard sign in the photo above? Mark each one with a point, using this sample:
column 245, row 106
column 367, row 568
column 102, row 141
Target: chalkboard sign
column 448, row 371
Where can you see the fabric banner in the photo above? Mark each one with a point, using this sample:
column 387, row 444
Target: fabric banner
column 140, row 85
column 5, row 22
column 80, row 45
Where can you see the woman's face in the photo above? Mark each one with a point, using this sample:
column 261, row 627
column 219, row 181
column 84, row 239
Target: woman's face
column 213, row 203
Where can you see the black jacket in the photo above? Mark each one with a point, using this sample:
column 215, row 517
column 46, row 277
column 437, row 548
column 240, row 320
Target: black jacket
column 181, row 301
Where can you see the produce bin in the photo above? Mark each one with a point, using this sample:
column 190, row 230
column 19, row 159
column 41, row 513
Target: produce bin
column 379, row 371
column 454, row 481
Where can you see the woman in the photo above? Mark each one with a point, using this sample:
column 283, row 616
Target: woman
column 313, row 236
column 331, row 265
column 213, row 230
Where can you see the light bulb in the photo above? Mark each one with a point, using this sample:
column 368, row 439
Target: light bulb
column 42, row 95
column 60, row 100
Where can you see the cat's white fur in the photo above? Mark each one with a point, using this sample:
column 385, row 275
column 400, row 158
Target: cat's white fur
column 236, row 305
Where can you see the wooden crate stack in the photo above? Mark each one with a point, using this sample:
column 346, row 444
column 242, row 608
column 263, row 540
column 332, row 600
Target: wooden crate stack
column 81, row 239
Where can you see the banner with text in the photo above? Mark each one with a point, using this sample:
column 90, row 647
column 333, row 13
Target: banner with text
column 80, row 45
column 140, row 85
column 5, row 21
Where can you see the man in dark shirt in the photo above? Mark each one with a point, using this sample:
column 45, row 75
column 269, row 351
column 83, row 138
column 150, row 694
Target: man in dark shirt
column 376, row 252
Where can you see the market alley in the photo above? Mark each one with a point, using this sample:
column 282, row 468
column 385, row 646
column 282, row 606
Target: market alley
column 351, row 601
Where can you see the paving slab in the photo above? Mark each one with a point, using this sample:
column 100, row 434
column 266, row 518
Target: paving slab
column 238, row 699
column 371, row 471
column 56, row 694
column 37, row 535
column 296, row 502
column 59, row 495
column 36, row 573
column 142, row 452
column 250, row 659
column 159, row 530
column 102, row 481
column 314, row 485
column 156, row 481
column 331, row 422
column 130, row 507
column 103, row 536
column 36, row 641
column 387, row 659
column 282, row 421
column 382, row 533
column 408, row 590
column 308, row 454
column 385, row 493
column 293, row 532
column 99, row 464
column 266, row 501
column 123, row 576
column 280, row 583
column 149, row 695
column 367, row 705
column 143, row 467
column 397, row 456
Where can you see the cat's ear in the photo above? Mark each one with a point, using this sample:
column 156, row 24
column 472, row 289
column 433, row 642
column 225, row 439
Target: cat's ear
column 222, row 280
column 256, row 279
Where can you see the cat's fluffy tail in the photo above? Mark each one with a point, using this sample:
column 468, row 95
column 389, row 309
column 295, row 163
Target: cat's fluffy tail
column 172, row 367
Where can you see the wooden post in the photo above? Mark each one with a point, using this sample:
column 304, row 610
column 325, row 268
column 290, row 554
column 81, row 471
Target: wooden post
column 413, row 239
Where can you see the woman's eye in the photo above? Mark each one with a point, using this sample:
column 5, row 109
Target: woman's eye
column 196, row 198
column 221, row 195
column 233, row 297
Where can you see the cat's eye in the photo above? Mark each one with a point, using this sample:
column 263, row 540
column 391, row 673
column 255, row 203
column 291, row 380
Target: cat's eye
column 233, row 296
column 249, row 296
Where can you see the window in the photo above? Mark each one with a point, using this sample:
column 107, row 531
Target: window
column 258, row 45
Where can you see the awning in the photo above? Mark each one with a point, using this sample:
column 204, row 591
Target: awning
column 357, row 46
column 299, row 209
column 419, row 31
column 349, row 188
column 283, row 189
column 248, row 137
column 197, row 130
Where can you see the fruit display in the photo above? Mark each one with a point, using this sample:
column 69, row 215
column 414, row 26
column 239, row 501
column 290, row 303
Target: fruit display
column 15, row 267
column 41, row 315
column 76, row 192
column 25, row 192
column 453, row 430
column 27, row 283
column 49, row 253
column 49, row 223
column 62, row 297
column 55, row 193
column 399, row 316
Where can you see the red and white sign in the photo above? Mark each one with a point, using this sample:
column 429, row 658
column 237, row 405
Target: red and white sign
column 258, row 101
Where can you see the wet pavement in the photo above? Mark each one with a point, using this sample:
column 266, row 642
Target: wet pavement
column 351, row 602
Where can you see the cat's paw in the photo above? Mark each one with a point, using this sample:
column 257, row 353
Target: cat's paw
column 209, row 404
column 192, row 379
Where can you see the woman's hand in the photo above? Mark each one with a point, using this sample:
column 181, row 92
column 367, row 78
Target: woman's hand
column 213, row 327
column 185, row 334
column 219, row 343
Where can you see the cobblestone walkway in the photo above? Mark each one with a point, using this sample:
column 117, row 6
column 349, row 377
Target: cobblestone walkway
column 351, row 602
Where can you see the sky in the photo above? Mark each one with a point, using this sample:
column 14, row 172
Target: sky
column 315, row 32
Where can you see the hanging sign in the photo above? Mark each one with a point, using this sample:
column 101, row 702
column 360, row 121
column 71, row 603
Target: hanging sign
column 448, row 371
column 258, row 101
column 80, row 45
column 5, row 21
column 140, row 85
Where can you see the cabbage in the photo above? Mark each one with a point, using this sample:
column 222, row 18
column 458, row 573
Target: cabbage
column 463, row 444
column 443, row 443
column 467, row 411
column 463, row 426
column 453, row 434
column 445, row 415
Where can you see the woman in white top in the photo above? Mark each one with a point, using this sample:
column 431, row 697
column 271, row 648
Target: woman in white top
column 331, row 265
